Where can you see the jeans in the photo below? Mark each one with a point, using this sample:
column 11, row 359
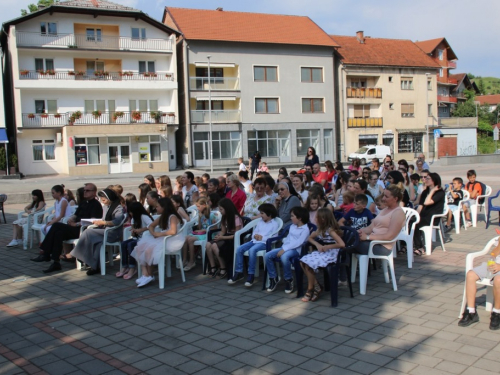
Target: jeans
column 126, row 248
column 285, row 260
column 252, row 248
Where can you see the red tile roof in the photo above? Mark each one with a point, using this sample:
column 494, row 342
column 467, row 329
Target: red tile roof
column 428, row 46
column 382, row 52
column 214, row 25
column 488, row 99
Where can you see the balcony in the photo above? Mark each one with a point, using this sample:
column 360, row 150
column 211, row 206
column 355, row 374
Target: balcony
column 452, row 64
column 446, row 99
column 75, row 41
column 216, row 83
column 217, row 116
column 368, row 122
column 51, row 120
column 95, row 76
column 364, row 92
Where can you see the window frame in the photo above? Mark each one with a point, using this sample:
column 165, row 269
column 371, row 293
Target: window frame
column 265, row 73
column 142, row 33
column 47, row 24
column 264, row 151
column 407, row 83
column 46, row 105
column 413, row 138
column 277, row 98
column 137, row 105
column 311, row 102
column 96, row 34
column 149, row 149
column 408, row 114
column 308, row 141
column 429, row 84
column 147, row 66
column 44, row 143
column 87, row 145
column 311, row 68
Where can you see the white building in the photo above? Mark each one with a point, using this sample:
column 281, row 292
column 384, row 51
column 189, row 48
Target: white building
column 94, row 89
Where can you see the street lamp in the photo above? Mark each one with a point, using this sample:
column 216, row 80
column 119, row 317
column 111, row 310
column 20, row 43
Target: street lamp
column 427, row 116
column 210, row 117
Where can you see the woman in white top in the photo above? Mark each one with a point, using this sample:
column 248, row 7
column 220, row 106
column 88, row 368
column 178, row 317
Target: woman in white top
column 247, row 184
column 300, row 188
column 189, row 189
column 62, row 209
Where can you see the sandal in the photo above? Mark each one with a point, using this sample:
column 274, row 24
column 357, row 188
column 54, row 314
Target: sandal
column 121, row 273
column 131, row 273
column 189, row 266
column 307, row 297
column 402, row 250
column 222, row 274
column 213, row 272
column 419, row 252
column 316, row 292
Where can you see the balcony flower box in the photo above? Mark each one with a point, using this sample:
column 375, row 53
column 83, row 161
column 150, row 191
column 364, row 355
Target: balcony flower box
column 96, row 114
column 100, row 73
column 150, row 74
column 76, row 115
column 51, row 72
column 117, row 115
column 31, row 116
column 156, row 115
column 41, row 72
column 24, row 72
column 57, row 115
column 136, row 115
column 44, row 115
column 171, row 114
column 72, row 73
column 169, row 75
column 80, row 73
column 126, row 74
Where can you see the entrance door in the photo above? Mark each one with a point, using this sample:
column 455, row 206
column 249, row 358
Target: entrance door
column 328, row 142
column 119, row 159
column 201, row 149
column 284, row 146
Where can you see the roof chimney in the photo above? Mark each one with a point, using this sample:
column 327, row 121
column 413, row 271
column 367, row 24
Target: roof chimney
column 40, row 6
column 360, row 36
column 220, row 9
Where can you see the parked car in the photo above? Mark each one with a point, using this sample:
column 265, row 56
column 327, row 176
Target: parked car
column 367, row 153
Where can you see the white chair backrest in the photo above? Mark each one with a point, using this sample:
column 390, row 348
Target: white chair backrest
column 410, row 213
column 176, row 242
column 246, row 228
column 466, row 195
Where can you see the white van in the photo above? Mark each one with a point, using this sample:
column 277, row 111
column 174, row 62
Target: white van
column 367, row 153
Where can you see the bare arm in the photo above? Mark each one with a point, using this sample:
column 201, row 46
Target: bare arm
column 171, row 230
column 64, row 205
column 397, row 220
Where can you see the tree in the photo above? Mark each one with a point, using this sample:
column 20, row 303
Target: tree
column 480, row 86
column 34, row 7
column 471, row 76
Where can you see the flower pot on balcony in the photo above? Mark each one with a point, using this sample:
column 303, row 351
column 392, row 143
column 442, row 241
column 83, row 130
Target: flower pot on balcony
column 51, row 72
column 31, row 116
column 41, row 72
column 117, row 115
column 136, row 115
column 24, row 72
column 71, row 73
column 96, row 114
column 76, row 115
column 44, row 115
column 57, row 115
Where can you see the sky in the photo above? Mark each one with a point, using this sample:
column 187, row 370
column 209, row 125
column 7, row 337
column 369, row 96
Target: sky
column 470, row 27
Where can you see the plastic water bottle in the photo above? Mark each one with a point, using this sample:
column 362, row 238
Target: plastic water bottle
column 491, row 262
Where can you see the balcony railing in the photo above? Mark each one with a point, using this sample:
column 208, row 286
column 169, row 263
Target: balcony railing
column 364, row 92
column 446, row 99
column 368, row 122
column 95, row 76
column 459, row 95
column 217, row 116
column 122, row 43
column 216, row 83
column 452, row 64
column 41, row 120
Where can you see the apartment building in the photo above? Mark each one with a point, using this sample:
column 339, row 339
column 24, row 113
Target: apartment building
column 386, row 89
column 271, row 87
column 94, row 89
column 3, row 131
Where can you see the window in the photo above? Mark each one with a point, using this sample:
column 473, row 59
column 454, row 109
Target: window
column 429, row 84
column 87, row 151
column 312, row 105
column 44, row 64
column 149, row 148
column 367, row 140
column 391, row 105
column 429, row 109
column 146, row 66
column 45, row 106
column 143, row 105
column 94, row 35
column 138, row 33
column 44, row 150
column 305, row 139
column 361, row 111
column 441, row 72
column 440, row 54
column 48, row 28
column 265, row 74
column 202, row 105
column 410, row 142
column 407, row 110
column 266, row 105
column 390, row 79
column 358, row 83
column 95, row 105
column 406, row 83
column 271, row 143
column 311, row 75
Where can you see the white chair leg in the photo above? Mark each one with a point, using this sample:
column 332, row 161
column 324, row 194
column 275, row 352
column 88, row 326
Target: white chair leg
column 25, row 236
column 167, row 265
column 489, row 298
column 393, row 274
column 473, row 214
column 363, row 273
column 433, row 237
column 386, row 271
column 456, row 219
column 462, row 308
column 102, row 256
column 428, row 239
column 354, row 265
column 179, row 259
column 441, row 238
column 78, row 265
column 409, row 251
column 161, row 270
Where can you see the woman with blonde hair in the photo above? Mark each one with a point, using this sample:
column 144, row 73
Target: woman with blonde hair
column 236, row 193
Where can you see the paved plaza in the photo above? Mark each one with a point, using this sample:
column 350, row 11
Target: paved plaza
column 71, row 323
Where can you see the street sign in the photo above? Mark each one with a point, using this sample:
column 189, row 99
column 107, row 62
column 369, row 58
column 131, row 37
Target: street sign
column 495, row 134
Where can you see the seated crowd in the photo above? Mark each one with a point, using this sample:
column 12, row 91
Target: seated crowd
column 312, row 205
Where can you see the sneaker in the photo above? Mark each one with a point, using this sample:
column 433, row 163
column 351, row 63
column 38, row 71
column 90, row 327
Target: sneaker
column 468, row 224
column 468, row 319
column 249, row 281
column 273, row 283
column 447, row 228
column 288, row 286
column 145, row 281
column 495, row 321
column 14, row 243
column 237, row 277
column 139, row 279
column 342, row 283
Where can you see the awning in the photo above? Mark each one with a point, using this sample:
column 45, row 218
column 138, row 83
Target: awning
column 3, row 136
column 388, row 135
column 215, row 98
column 214, row 65
column 413, row 131
column 368, row 136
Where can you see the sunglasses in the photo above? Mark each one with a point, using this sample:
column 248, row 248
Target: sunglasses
column 426, row 177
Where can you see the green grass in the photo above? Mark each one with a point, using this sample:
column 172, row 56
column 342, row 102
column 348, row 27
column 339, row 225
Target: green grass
column 485, row 144
column 491, row 84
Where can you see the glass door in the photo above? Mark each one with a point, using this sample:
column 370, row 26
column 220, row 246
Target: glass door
column 201, row 149
column 119, row 159
column 328, row 139
column 284, row 146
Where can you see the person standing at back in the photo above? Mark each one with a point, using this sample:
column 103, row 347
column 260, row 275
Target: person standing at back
column 254, row 163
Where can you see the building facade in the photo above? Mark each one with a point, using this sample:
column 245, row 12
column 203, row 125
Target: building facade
column 269, row 90
column 387, row 88
column 94, row 89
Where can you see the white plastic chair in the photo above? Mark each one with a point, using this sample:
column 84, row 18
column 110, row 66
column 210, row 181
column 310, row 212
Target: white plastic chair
column 430, row 230
column 37, row 225
column 474, row 205
column 458, row 209
column 107, row 247
column 203, row 243
column 364, row 261
column 469, row 264
column 29, row 221
column 407, row 233
column 237, row 241
column 175, row 244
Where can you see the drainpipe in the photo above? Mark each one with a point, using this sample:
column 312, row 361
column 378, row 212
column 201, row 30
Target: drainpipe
column 344, row 114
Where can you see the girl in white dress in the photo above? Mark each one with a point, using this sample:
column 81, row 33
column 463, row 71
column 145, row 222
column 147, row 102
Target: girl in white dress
column 327, row 240
column 37, row 204
column 62, row 209
column 150, row 247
